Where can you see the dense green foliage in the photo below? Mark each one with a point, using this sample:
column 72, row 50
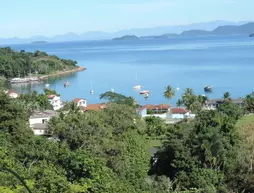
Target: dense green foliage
column 15, row 64
column 107, row 150
column 117, row 98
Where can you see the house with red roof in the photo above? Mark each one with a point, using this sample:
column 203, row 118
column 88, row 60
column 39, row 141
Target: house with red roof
column 157, row 109
column 12, row 94
column 80, row 102
column 179, row 113
column 96, row 107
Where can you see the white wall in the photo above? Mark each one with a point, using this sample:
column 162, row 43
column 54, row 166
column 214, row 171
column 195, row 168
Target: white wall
column 37, row 120
column 39, row 132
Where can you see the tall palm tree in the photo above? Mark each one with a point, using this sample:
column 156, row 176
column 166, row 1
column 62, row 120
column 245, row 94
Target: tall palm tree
column 169, row 92
column 189, row 91
column 179, row 103
column 227, row 96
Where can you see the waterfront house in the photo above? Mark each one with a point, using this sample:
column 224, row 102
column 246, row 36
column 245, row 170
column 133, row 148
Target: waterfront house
column 38, row 121
column 157, row 109
column 179, row 113
column 213, row 104
column 55, row 101
column 95, row 107
column 80, row 102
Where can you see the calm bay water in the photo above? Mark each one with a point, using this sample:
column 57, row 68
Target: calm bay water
column 227, row 63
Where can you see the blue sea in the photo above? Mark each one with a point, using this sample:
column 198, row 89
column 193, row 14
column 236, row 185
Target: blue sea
column 225, row 62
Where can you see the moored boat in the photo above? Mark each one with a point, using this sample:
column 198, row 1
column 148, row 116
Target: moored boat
column 208, row 88
column 66, row 84
column 137, row 87
column 144, row 92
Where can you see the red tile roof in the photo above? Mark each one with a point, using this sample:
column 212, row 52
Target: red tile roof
column 51, row 96
column 95, row 107
column 159, row 107
column 12, row 92
column 76, row 100
column 179, row 111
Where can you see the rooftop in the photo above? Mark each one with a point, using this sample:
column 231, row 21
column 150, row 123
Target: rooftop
column 76, row 100
column 179, row 111
column 155, row 107
column 44, row 114
column 39, row 126
column 95, row 107
column 221, row 100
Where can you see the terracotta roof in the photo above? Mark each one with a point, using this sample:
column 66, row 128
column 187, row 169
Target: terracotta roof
column 12, row 92
column 51, row 96
column 179, row 111
column 76, row 100
column 96, row 107
column 155, row 107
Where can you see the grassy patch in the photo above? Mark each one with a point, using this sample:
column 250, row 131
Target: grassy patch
column 246, row 122
column 155, row 143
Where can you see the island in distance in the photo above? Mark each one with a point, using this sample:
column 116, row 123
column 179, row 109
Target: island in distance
column 39, row 42
column 127, row 37
column 251, row 35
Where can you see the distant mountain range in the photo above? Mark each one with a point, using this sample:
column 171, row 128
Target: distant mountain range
column 206, row 28
column 244, row 29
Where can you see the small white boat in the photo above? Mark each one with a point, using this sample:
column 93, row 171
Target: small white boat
column 146, row 95
column 47, row 85
column 112, row 90
column 66, row 84
column 137, row 87
column 143, row 92
column 177, row 88
column 91, row 91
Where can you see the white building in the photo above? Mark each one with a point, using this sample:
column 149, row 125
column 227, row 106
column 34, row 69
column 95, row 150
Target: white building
column 180, row 113
column 80, row 102
column 38, row 121
column 12, row 94
column 55, row 101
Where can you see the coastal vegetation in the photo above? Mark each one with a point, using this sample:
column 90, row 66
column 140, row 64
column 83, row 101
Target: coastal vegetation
column 21, row 63
column 110, row 150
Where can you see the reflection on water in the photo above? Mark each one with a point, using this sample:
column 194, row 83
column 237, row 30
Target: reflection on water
column 38, row 86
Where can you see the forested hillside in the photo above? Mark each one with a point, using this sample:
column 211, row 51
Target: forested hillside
column 108, row 150
column 21, row 64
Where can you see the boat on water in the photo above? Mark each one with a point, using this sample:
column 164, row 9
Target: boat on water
column 137, row 87
column 112, row 90
column 145, row 92
column 47, row 85
column 208, row 88
column 177, row 88
column 66, row 84
column 91, row 91
column 146, row 95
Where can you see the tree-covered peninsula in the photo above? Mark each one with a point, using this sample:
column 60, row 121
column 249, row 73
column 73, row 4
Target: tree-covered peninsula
column 22, row 63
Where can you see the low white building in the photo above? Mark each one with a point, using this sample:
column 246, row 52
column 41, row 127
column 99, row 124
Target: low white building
column 38, row 121
column 12, row 94
column 80, row 102
column 55, row 101
column 180, row 113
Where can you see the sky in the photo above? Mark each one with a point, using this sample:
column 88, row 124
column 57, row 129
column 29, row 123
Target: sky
column 25, row 18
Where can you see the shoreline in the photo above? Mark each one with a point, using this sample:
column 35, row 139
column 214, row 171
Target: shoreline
column 79, row 69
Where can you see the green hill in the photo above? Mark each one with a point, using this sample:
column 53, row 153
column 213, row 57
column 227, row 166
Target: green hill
column 21, row 64
column 127, row 37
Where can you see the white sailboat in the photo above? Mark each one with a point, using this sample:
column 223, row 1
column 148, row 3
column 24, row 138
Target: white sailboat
column 137, row 87
column 177, row 88
column 91, row 90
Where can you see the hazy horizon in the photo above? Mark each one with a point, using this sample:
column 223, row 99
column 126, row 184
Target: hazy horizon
column 49, row 18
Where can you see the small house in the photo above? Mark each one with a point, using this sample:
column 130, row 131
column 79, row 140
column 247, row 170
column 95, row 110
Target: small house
column 38, row 121
column 12, row 94
column 213, row 104
column 142, row 111
column 179, row 113
column 80, row 102
column 95, row 107
column 55, row 101
column 157, row 109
